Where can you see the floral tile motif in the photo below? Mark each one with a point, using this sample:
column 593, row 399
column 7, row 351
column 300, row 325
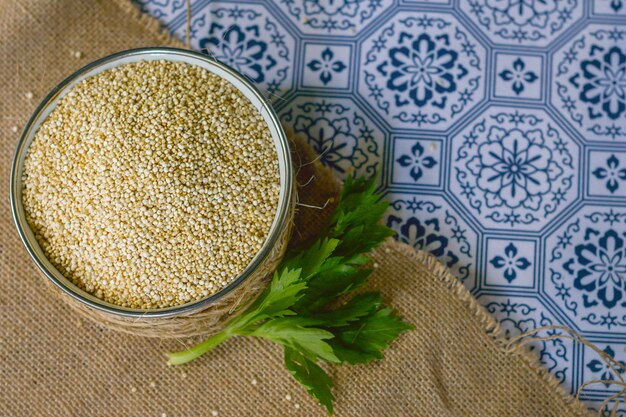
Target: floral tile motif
column 416, row 161
column 609, row 7
column 597, row 369
column 326, row 66
column 510, row 263
column 518, row 76
column 523, row 22
column 233, row 35
column 514, row 167
column 607, row 174
column 339, row 132
column 429, row 223
column 337, row 17
column 422, row 70
column 585, row 262
column 590, row 82
column 518, row 315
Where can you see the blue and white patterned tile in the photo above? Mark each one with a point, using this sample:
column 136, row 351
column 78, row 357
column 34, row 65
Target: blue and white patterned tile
column 606, row 176
column 613, row 8
column 520, row 314
column 585, row 260
column 511, row 263
column 344, row 137
column 334, row 17
column 327, row 66
column 429, row 223
column 524, row 23
column 249, row 39
column 514, row 167
column 422, row 70
column 595, row 368
column 589, row 75
column 518, row 76
column 417, row 161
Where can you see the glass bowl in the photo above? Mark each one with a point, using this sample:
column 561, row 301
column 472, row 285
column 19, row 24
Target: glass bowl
column 213, row 308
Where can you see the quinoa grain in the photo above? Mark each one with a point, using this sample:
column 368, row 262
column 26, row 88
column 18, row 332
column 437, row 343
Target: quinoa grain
column 152, row 184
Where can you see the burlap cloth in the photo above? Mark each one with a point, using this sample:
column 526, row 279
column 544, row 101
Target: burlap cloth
column 54, row 363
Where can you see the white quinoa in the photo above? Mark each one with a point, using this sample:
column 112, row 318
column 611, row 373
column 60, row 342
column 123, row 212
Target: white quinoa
column 152, row 184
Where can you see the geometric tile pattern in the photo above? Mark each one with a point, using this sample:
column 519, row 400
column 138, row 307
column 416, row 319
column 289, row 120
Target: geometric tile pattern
column 498, row 129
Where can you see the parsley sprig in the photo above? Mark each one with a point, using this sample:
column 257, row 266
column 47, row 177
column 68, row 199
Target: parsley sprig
column 301, row 308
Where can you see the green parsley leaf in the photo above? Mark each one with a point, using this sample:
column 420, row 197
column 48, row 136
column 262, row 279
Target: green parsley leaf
column 284, row 291
column 328, row 286
column 317, row 383
column 358, row 307
column 294, row 333
column 353, row 355
column 299, row 309
column 312, row 259
column 359, row 206
column 362, row 239
column 372, row 333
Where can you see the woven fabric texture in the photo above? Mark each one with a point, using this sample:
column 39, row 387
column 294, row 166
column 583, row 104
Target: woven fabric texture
column 54, row 363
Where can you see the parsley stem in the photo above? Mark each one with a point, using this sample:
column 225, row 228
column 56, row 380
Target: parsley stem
column 179, row 358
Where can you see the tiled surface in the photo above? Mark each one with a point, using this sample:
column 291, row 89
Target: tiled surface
column 498, row 129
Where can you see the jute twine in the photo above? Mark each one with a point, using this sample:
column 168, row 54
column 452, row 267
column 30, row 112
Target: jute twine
column 615, row 366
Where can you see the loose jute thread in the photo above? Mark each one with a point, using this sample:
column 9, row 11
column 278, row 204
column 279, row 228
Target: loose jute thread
column 612, row 363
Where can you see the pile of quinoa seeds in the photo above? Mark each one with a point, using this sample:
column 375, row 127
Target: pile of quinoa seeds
column 152, row 184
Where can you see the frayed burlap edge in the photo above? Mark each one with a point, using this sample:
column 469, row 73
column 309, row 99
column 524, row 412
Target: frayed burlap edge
column 489, row 324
